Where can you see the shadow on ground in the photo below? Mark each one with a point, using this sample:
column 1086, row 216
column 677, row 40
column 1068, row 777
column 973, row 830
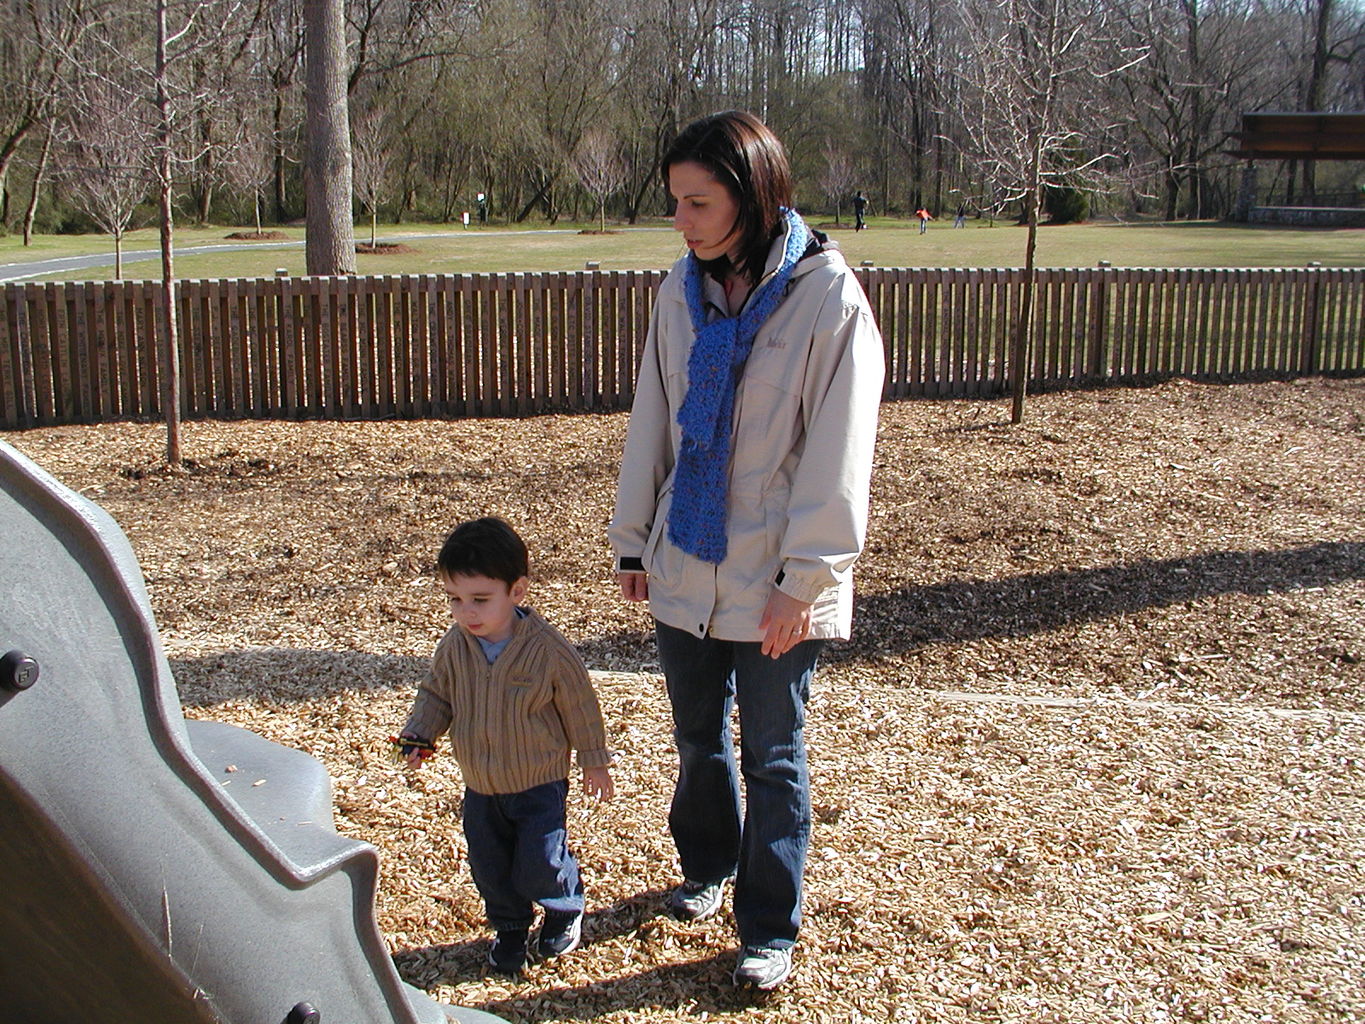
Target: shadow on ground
column 966, row 610
column 703, row 984
column 957, row 611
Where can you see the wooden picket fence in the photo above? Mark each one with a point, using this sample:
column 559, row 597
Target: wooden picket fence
column 466, row 345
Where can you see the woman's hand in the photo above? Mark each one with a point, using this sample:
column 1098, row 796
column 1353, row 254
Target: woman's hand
column 634, row 585
column 785, row 623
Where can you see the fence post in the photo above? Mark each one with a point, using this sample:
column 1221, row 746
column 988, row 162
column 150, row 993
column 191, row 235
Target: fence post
column 1098, row 321
column 1312, row 321
column 15, row 358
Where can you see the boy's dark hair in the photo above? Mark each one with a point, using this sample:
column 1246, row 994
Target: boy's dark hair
column 484, row 547
column 748, row 159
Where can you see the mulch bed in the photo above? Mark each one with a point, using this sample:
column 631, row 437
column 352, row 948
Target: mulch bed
column 1097, row 751
column 256, row 236
column 383, row 248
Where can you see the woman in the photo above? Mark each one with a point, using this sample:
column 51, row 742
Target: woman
column 741, row 506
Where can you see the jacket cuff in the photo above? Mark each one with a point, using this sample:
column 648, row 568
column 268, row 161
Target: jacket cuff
column 806, row 587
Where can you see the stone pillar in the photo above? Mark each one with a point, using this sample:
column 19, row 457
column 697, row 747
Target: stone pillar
column 1246, row 193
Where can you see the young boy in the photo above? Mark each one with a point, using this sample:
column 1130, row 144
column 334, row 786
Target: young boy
column 515, row 698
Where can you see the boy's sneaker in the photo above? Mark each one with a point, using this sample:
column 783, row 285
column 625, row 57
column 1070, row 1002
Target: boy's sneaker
column 508, row 953
column 696, row 901
column 559, row 934
column 763, row 967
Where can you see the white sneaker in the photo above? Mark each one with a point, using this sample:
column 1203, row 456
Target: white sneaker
column 696, row 901
column 763, row 967
column 559, row 934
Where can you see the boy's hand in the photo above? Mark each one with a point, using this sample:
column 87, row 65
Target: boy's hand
column 411, row 750
column 597, row 782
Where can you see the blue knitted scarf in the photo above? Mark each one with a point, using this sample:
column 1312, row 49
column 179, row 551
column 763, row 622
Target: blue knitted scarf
column 696, row 521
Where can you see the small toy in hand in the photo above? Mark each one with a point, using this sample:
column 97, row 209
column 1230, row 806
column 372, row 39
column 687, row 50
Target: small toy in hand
column 404, row 746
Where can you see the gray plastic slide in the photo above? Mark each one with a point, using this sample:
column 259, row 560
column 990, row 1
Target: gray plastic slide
column 140, row 879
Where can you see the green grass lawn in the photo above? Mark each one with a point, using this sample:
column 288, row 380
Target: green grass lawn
column 450, row 249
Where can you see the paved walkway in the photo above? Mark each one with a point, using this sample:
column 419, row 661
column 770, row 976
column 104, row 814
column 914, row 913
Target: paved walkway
column 60, row 264
column 22, row 271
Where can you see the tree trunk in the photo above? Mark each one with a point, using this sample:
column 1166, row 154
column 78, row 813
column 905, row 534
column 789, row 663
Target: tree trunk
column 1317, row 78
column 10, row 145
column 280, row 185
column 1172, row 193
column 170, row 384
column 330, row 239
column 203, row 202
column 32, row 211
column 541, row 195
column 1023, row 334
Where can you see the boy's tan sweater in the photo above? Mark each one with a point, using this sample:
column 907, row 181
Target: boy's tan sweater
column 511, row 723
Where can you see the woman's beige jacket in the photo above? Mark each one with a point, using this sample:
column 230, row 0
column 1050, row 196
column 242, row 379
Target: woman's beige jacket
column 805, row 422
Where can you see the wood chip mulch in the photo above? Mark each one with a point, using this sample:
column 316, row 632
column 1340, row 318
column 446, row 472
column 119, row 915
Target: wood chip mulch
column 1097, row 752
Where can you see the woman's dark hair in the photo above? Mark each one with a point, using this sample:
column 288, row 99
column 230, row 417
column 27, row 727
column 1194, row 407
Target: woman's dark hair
column 484, row 547
column 748, row 159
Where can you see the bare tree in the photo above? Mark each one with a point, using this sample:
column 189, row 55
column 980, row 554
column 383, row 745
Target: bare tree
column 36, row 38
column 838, row 176
column 370, row 162
column 165, row 128
column 391, row 35
column 662, row 81
column 329, row 246
column 600, row 168
column 105, row 158
column 249, row 166
column 1187, row 95
column 279, row 64
column 907, row 44
column 1030, row 70
column 184, row 33
column 495, row 95
column 1336, row 36
column 563, row 82
column 148, row 69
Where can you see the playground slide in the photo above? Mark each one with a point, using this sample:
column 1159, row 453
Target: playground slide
column 140, row 878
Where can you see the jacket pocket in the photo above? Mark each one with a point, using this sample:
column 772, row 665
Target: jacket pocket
column 652, row 556
column 768, row 430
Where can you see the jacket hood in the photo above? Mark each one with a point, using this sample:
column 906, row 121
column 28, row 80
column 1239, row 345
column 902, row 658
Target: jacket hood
column 822, row 252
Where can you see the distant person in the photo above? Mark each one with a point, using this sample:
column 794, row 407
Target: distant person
column 741, row 507
column 924, row 218
column 859, row 208
column 515, row 699
column 960, row 221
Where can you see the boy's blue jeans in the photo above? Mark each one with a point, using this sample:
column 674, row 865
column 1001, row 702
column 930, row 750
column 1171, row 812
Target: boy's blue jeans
column 767, row 853
column 519, row 854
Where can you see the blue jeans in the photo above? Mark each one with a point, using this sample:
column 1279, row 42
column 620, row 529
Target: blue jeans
column 767, row 854
column 519, row 854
